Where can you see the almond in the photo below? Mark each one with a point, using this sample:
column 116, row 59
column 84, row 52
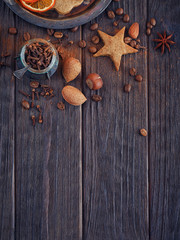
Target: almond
column 134, row 30
column 73, row 95
column 71, row 68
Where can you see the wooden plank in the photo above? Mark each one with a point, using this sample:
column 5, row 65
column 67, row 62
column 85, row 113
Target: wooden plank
column 115, row 156
column 164, row 119
column 48, row 171
column 7, row 126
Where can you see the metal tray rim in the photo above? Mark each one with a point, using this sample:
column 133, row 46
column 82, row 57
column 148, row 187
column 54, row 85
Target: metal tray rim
column 59, row 24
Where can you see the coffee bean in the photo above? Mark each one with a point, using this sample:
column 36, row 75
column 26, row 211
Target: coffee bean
column 92, row 49
column 111, row 14
column 133, row 43
column 95, row 39
column 132, row 71
column 126, row 18
column 149, row 25
column 119, row 11
column 96, row 98
column 115, row 23
column 153, row 21
column 94, row 26
column 58, row 34
column 25, row 104
column 50, row 32
column 74, row 29
column 139, row 78
column 34, row 84
column 148, row 31
column 27, row 36
column 71, row 42
column 60, row 106
column 143, row 132
column 127, row 88
column 127, row 40
column 12, row 30
column 138, row 40
column 82, row 44
column 137, row 46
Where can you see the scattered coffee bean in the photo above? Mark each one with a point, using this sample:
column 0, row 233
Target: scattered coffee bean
column 71, row 42
column 58, row 34
column 143, row 132
column 34, row 84
column 40, row 120
column 115, row 23
column 153, row 22
column 27, row 36
column 126, row 18
column 111, row 14
column 149, row 25
column 50, row 32
column 132, row 71
column 61, row 106
column 94, row 26
column 119, row 11
column 148, row 31
column 82, row 44
column 74, row 29
column 66, row 35
column 127, row 88
column 92, row 49
column 96, row 98
column 127, row 40
column 33, row 120
column 138, row 40
column 95, row 39
column 25, row 104
column 139, row 78
column 137, row 46
column 12, row 30
column 133, row 43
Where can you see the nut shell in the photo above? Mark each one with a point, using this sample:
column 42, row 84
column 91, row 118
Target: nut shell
column 134, row 30
column 73, row 96
column 71, row 69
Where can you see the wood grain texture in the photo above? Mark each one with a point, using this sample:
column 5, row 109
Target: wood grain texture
column 48, row 160
column 7, row 126
column 115, row 159
column 86, row 173
column 164, row 125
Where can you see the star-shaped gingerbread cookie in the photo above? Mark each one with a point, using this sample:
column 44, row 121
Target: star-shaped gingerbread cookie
column 114, row 47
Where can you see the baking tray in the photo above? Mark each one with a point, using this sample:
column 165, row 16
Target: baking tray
column 51, row 19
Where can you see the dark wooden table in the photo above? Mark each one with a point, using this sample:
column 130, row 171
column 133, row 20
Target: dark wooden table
column 86, row 173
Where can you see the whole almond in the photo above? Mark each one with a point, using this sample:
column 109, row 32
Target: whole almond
column 134, row 30
column 71, row 69
column 73, row 96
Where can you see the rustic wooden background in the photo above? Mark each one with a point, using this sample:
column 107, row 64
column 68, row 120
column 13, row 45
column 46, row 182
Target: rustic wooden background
column 86, row 173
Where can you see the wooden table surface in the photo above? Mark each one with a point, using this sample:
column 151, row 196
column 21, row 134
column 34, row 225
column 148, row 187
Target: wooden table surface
column 86, row 173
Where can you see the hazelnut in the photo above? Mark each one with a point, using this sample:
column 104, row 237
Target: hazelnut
column 94, row 81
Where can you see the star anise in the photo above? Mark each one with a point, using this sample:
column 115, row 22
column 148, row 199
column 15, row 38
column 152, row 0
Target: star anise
column 163, row 41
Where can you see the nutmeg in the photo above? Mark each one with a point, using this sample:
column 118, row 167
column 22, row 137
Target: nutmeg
column 94, row 81
column 73, row 95
column 71, row 68
column 134, row 30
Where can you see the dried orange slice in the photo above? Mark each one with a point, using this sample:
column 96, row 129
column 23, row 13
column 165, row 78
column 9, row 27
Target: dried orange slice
column 39, row 5
column 30, row 1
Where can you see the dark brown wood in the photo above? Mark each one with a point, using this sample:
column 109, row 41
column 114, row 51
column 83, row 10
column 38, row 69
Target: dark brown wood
column 48, row 159
column 114, row 154
column 86, row 173
column 7, row 130
column 164, row 119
